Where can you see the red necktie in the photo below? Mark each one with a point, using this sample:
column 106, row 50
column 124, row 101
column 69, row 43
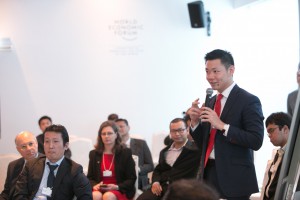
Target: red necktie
column 213, row 131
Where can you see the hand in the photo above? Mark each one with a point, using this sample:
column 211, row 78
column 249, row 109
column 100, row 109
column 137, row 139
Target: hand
column 209, row 115
column 156, row 188
column 194, row 112
column 97, row 187
column 107, row 187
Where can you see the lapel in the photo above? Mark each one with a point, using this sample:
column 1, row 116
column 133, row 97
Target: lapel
column 37, row 173
column 232, row 98
column 132, row 144
column 19, row 167
column 61, row 173
column 183, row 152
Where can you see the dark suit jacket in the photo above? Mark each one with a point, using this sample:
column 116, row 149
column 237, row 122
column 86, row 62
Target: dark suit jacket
column 185, row 166
column 13, row 170
column 124, row 170
column 69, row 182
column 40, row 140
column 141, row 149
column 234, row 152
column 291, row 102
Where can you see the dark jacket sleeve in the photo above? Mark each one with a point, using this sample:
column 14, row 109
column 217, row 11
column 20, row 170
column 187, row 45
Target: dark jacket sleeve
column 125, row 172
column 148, row 165
column 93, row 175
column 81, row 185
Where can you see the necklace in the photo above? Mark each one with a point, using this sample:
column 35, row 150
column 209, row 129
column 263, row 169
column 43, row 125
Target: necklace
column 110, row 163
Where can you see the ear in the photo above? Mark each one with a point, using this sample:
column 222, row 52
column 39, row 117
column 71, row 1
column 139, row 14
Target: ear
column 66, row 146
column 285, row 129
column 231, row 70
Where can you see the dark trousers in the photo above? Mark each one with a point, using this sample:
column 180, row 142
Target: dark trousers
column 148, row 195
column 210, row 178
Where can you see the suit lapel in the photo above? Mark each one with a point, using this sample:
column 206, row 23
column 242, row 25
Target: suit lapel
column 133, row 145
column 232, row 98
column 38, row 171
column 62, row 171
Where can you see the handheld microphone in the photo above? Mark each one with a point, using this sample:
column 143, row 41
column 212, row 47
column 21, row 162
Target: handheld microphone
column 209, row 92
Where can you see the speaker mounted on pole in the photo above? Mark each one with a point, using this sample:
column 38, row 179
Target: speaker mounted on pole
column 197, row 14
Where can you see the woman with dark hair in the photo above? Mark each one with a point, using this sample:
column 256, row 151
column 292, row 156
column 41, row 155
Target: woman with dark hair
column 111, row 167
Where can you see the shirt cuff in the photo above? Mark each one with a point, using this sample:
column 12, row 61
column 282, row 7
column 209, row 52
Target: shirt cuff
column 225, row 129
column 194, row 128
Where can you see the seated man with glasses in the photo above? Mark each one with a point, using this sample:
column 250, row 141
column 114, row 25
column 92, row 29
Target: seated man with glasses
column 179, row 160
column 27, row 146
column 278, row 128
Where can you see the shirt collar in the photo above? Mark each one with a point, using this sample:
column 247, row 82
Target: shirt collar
column 128, row 142
column 173, row 148
column 56, row 163
column 227, row 91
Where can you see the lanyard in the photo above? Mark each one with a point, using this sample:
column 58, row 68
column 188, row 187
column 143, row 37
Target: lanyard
column 110, row 163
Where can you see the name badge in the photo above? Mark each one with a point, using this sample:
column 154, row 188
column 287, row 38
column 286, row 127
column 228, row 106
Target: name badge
column 107, row 173
column 47, row 191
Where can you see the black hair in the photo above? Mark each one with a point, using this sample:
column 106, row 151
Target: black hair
column 225, row 57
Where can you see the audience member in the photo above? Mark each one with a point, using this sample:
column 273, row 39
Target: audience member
column 278, row 128
column 229, row 133
column 27, row 146
column 292, row 97
column 139, row 148
column 53, row 176
column 178, row 161
column 190, row 190
column 112, row 117
column 168, row 141
column 44, row 122
column 111, row 167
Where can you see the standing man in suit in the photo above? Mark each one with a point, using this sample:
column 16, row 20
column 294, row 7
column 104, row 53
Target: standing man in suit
column 179, row 160
column 228, row 140
column 53, row 176
column 140, row 148
column 27, row 146
column 292, row 97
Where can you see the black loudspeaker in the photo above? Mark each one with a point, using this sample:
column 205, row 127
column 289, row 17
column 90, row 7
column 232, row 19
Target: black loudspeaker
column 197, row 14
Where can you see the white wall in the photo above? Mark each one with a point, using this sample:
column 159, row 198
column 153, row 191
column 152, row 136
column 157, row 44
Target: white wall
column 73, row 62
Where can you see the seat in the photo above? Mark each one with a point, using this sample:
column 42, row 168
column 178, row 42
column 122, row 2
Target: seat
column 157, row 145
column 5, row 159
column 80, row 148
column 138, row 191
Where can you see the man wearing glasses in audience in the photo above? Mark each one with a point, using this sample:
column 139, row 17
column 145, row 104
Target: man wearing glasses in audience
column 278, row 128
column 27, row 146
column 179, row 160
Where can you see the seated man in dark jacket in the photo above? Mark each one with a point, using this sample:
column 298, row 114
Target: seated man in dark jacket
column 53, row 176
column 27, row 146
column 180, row 160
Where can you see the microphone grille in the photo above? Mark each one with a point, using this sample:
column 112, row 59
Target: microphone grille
column 209, row 91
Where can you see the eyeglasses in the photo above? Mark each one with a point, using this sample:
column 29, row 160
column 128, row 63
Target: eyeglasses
column 23, row 147
column 107, row 133
column 271, row 130
column 180, row 130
